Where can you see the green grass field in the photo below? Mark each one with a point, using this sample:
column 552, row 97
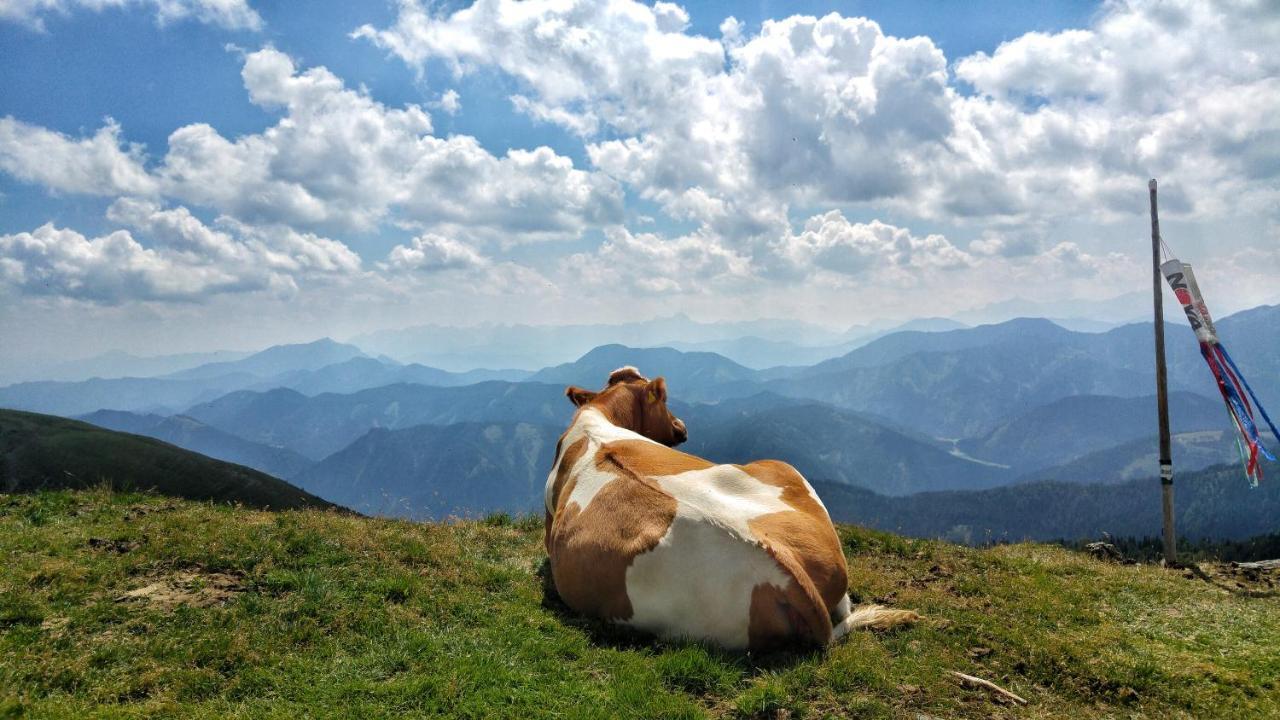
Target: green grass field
column 117, row 605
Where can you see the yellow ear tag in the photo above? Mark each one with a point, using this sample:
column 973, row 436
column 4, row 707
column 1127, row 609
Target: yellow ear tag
column 653, row 396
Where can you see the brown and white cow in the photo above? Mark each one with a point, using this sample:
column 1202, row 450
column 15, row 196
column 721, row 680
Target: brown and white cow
column 638, row 533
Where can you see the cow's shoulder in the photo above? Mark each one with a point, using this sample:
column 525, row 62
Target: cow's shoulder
column 605, row 516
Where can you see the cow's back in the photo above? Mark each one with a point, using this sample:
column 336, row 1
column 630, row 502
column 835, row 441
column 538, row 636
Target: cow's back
column 672, row 544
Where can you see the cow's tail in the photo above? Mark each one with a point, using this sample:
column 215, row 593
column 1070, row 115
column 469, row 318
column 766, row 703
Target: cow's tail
column 871, row 617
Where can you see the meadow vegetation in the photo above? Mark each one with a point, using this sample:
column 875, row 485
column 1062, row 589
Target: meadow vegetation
column 132, row 605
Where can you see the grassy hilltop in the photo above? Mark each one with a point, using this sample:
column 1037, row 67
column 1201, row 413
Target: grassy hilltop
column 39, row 452
column 126, row 605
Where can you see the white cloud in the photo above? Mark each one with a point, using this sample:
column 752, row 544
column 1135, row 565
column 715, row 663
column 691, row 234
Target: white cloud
column 872, row 250
column 647, row 263
column 450, row 101
column 187, row 260
column 337, row 160
column 432, row 253
column 822, row 111
column 340, row 159
column 105, row 270
column 229, row 14
column 101, row 164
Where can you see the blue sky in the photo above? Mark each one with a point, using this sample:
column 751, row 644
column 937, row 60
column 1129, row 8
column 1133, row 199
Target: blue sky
column 972, row 152
column 119, row 63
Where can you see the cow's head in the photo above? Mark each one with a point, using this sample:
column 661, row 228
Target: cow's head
column 632, row 401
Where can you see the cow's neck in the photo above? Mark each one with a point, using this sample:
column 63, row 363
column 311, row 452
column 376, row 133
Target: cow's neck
column 601, row 425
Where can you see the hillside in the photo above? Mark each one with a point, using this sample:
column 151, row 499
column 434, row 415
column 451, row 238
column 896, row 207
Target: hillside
column 191, row 434
column 432, row 471
column 40, row 451
column 1072, row 427
column 319, row 426
column 131, row 605
column 829, row 443
column 1215, row 503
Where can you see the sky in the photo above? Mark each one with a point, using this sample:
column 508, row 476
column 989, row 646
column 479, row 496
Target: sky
column 180, row 175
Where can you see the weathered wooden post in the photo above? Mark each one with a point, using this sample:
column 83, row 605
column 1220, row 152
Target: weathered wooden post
column 1162, row 390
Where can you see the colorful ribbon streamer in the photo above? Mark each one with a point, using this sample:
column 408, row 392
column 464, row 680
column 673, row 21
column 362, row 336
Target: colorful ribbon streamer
column 1236, row 393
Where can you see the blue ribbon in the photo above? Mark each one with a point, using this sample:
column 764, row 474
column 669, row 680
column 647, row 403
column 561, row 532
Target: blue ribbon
column 1234, row 399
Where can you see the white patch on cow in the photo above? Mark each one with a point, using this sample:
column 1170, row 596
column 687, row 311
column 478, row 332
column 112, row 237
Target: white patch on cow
column 698, row 580
column 843, row 608
column 725, row 495
column 598, row 428
column 697, row 583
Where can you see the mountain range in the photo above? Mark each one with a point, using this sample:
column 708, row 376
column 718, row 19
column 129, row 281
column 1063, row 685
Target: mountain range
column 937, row 409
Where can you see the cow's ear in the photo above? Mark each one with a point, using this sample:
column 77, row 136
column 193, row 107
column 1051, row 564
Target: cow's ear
column 578, row 396
column 656, row 390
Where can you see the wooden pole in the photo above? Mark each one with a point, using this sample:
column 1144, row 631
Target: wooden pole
column 1162, row 390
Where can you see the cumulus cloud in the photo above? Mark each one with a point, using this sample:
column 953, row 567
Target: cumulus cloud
column 832, row 243
column 757, row 146
column 648, row 263
column 229, row 14
column 431, row 253
column 338, row 158
column 186, row 261
column 812, row 111
column 450, row 101
column 106, row 270
column 101, row 164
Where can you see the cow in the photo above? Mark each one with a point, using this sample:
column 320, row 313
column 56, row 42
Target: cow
column 638, row 533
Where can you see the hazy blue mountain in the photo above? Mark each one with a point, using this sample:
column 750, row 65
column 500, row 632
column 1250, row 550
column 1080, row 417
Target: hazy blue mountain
column 117, row 364
column 896, row 346
column 965, row 392
column 321, row 425
column 824, row 442
column 161, row 395
column 1211, row 503
column 39, row 452
column 1139, row 458
column 537, row 346
column 1126, row 308
column 428, row 472
column 965, row 383
column 758, row 353
column 278, row 359
column 690, row 376
column 191, row 434
column 432, row 470
column 177, row 390
column 1073, row 426
column 171, row 394
column 363, row 373
column 774, row 355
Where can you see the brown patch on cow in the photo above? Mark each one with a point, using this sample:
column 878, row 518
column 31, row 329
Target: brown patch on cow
column 592, row 548
column 783, row 617
column 645, row 459
column 805, row 534
column 563, row 485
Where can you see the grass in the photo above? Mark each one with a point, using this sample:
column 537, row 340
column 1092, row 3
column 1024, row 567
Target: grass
column 241, row 613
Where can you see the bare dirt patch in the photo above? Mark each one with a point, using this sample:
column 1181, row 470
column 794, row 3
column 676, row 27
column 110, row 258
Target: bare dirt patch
column 190, row 588
column 1251, row 579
